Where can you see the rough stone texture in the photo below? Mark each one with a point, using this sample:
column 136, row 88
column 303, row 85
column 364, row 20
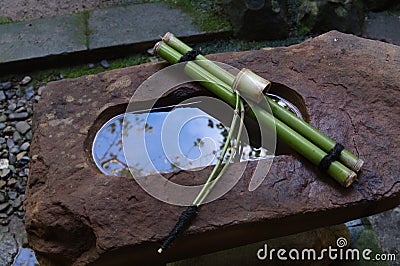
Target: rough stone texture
column 388, row 233
column 33, row 9
column 76, row 215
column 259, row 19
column 379, row 5
column 324, row 15
column 317, row 239
column 136, row 24
column 276, row 19
column 383, row 27
column 44, row 37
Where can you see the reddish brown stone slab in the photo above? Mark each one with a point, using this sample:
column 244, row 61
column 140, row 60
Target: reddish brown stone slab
column 76, row 215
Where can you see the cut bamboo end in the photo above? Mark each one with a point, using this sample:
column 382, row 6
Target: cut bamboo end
column 358, row 165
column 350, row 179
column 157, row 47
column 167, row 37
column 251, row 85
column 160, row 250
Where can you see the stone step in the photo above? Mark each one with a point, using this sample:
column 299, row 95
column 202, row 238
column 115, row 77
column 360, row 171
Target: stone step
column 110, row 31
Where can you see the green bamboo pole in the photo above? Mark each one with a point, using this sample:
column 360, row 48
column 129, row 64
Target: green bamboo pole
column 209, row 185
column 187, row 215
column 296, row 141
column 211, row 67
column 290, row 119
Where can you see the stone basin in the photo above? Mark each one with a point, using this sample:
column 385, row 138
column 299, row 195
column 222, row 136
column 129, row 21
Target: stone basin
column 75, row 215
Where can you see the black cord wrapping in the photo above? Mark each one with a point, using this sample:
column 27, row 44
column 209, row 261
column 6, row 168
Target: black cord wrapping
column 189, row 56
column 183, row 223
column 331, row 156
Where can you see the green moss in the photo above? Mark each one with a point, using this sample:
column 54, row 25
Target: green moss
column 237, row 45
column 81, row 70
column 301, row 29
column 207, row 15
column 5, row 20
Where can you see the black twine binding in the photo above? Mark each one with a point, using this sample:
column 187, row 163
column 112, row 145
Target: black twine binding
column 189, row 56
column 183, row 223
column 330, row 157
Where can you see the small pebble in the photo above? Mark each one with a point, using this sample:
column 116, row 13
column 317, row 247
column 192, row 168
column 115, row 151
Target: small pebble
column 12, row 159
column 12, row 107
column 20, row 108
column 3, row 118
column 5, row 85
column 21, row 102
column 19, row 187
column 40, row 90
column 90, row 67
column 29, row 92
column 2, row 183
column 12, row 181
column 12, row 168
column 22, row 127
column 16, row 203
column 12, row 195
column 4, row 173
column 9, row 130
column 18, row 116
column 19, row 92
column 10, row 210
column 25, row 80
column 20, row 155
column 2, row 96
column 4, row 163
column 4, row 206
column 16, row 136
column 104, row 64
column 3, row 197
column 10, row 143
column 10, row 93
column 2, row 126
column 14, row 149
column 23, row 161
column 28, row 135
column 25, row 146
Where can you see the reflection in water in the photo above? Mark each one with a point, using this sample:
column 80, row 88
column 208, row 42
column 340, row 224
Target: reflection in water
column 156, row 145
column 25, row 257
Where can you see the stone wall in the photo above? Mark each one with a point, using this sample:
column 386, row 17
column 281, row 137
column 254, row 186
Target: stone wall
column 278, row 19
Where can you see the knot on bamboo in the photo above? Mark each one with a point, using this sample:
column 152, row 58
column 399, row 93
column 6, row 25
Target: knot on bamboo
column 330, row 157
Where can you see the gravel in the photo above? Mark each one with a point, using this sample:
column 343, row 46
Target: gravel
column 16, row 108
column 104, row 63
